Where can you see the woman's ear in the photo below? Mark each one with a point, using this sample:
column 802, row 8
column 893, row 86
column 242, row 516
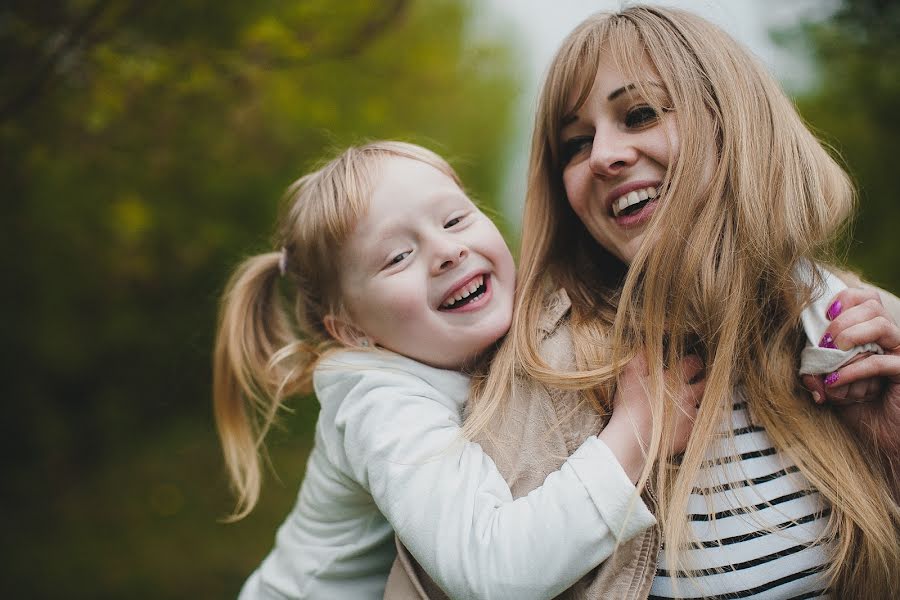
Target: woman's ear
column 345, row 332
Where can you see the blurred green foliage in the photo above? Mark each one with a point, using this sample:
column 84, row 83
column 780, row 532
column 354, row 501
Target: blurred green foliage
column 145, row 147
column 854, row 107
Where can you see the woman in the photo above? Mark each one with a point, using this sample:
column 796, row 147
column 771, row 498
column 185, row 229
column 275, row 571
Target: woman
column 675, row 203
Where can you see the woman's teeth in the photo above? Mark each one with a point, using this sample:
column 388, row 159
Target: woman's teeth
column 465, row 292
column 633, row 198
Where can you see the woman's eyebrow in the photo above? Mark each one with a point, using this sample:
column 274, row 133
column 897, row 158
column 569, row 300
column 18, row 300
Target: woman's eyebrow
column 616, row 93
column 572, row 117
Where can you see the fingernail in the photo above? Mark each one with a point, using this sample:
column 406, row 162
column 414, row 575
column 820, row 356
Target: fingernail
column 817, row 397
column 827, row 341
column 834, row 310
column 831, row 379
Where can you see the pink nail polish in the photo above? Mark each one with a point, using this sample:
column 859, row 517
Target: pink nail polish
column 834, row 310
column 827, row 341
column 831, row 379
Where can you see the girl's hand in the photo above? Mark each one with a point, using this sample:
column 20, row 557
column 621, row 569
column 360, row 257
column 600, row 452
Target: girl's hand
column 866, row 391
column 629, row 428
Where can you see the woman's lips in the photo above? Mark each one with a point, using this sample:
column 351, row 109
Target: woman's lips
column 638, row 218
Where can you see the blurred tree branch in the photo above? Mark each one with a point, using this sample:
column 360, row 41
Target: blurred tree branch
column 38, row 65
column 59, row 45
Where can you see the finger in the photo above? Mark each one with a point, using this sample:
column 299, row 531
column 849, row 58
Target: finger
column 858, row 391
column 878, row 330
column 867, row 390
column 848, row 298
column 875, row 365
column 884, row 366
column 836, row 394
column 815, row 386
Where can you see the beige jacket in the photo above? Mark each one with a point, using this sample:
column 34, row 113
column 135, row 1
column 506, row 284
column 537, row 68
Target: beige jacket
column 544, row 427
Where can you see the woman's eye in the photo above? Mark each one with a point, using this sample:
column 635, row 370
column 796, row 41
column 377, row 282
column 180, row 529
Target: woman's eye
column 640, row 116
column 572, row 146
column 398, row 258
column 452, row 222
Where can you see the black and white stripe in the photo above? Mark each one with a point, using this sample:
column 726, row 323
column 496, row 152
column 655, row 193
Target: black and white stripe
column 758, row 525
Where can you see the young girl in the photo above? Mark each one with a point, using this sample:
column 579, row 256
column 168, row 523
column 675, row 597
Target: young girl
column 400, row 285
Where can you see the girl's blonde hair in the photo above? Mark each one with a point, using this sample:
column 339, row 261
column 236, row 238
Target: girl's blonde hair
column 268, row 341
column 720, row 277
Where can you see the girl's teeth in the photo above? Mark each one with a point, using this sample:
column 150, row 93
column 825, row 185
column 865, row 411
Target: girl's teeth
column 466, row 292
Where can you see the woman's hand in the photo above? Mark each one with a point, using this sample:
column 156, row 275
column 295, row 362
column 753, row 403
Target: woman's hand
column 866, row 391
column 629, row 428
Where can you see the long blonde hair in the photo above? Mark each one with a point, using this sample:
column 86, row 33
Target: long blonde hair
column 264, row 352
column 720, row 277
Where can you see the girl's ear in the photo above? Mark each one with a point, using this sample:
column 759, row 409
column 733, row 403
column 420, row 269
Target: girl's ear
column 345, row 332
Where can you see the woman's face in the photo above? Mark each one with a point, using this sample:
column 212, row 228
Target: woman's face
column 615, row 151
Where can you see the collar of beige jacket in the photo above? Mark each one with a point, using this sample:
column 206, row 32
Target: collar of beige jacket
column 556, row 306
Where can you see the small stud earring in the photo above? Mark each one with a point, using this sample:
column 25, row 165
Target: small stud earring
column 364, row 343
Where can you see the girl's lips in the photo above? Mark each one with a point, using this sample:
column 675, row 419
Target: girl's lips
column 473, row 305
column 638, row 218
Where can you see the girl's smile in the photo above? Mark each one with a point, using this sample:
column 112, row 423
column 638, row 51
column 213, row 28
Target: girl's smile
column 425, row 273
column 472, row 295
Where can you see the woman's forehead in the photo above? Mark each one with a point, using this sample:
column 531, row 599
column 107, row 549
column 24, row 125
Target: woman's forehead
column 612, row 78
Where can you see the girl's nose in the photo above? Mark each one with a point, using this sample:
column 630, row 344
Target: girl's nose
column 611, row 152
column 449, row 255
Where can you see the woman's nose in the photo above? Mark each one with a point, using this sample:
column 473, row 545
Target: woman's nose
column 611, row 152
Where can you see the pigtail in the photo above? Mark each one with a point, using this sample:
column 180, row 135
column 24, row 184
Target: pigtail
column 266, row 350
column 259, row 360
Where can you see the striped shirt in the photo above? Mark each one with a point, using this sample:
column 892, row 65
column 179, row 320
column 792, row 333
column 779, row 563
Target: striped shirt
column 757, row 524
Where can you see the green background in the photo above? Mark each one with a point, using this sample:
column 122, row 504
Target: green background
column 144, row 147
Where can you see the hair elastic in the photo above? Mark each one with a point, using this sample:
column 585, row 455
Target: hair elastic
column 282, row 262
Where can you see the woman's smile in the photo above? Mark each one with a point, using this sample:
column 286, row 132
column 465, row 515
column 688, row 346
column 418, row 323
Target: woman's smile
column 617, row 151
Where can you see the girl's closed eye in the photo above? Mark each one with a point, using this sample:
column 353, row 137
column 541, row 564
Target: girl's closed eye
column 453, row 222
column 397, row 259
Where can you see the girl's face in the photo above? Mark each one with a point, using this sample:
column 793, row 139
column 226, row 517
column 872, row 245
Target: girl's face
column 615, row 151
column 425, row 273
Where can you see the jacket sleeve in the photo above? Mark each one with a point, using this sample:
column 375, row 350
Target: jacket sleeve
column 451, row 508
